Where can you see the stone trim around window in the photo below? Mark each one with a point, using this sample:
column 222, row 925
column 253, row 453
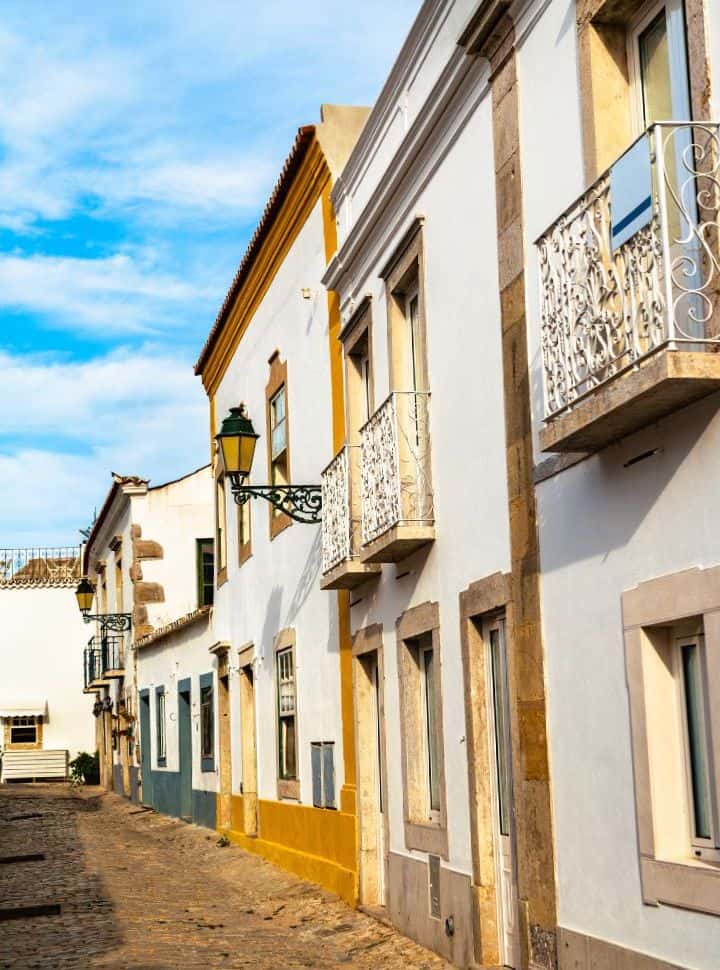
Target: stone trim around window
column 605, row 93
column 480, row 601
column 279, row 521
column 404, row 271
column 423, row 835
column 648, row 611
column 287, row 788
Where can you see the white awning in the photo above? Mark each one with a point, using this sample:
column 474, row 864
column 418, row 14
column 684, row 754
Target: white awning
column 27, row 708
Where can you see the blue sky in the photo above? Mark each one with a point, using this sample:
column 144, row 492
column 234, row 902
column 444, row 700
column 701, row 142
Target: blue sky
column 138, row 144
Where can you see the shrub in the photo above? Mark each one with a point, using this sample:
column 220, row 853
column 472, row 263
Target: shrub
column 86, row 767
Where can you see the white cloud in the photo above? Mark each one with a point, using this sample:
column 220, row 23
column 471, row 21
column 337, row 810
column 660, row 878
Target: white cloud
column 117, row 293
column 139, row 412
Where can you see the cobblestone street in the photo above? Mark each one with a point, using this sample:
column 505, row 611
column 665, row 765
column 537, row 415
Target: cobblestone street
column 137, row 889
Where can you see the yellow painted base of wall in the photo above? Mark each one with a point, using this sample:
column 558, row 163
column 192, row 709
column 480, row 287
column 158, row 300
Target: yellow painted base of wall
column 317, row 844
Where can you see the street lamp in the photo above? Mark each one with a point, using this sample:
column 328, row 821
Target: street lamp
column 118, row 622
column 236, row 445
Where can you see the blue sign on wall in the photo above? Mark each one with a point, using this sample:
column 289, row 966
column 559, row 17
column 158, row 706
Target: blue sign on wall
column 631, row 193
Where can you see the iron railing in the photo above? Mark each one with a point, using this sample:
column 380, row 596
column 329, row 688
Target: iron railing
column 92, row 663
column 341, row 508
column 103, row 654
column 40, row 566
column 395, row 465
column 604, row 311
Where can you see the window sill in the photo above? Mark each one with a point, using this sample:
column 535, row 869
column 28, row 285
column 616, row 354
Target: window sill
column 688, row 883
column 222, row 577
column 427, row 836
column 244, row 553
column 278, row 523
column 288, row 789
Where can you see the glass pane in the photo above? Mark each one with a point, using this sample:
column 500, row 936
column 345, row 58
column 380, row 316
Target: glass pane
column 279, row 442
column 655, row 71
column 413, row 319
column 697, row 741
column 497, row 661
column 206, row 722
column 287, row 748
column 431, row 729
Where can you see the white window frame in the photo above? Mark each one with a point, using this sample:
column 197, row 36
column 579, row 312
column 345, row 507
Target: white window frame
column 161, row 726
column 276, row 453
column 679, row 77
column 23, row 722
column 706, row 849
column 433, row 814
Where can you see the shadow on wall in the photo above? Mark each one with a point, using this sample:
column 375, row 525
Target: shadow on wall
column 597, row 506
column 309, row 578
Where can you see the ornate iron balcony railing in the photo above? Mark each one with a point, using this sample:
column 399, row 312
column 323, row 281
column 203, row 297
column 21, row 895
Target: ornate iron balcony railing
column 92, row 663
column 40, row 566
column 341, row 513
column 395, row 465
column 604, row 311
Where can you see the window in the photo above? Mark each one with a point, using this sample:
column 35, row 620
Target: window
column 427, row 680
column 207, row 723
column 205, row 572
column 220, row 535
column 673, row 682
column 24, row 730
column 244, row 532
column 692, row 680
column 403, row 277
column 658, row 62
column 358, row 373
column 278, row 433
column 160, row 726
column 287, row 761
column 322, row 757
column 419, row 672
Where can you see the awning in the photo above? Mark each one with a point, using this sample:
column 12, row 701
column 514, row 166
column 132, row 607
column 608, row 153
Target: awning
column 27, row 708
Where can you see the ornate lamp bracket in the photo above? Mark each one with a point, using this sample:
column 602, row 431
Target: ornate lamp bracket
column 303, row 503
column 117, row 622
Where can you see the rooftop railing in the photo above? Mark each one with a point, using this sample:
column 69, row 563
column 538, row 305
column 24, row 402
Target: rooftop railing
column 605, row 308
column 40, row 566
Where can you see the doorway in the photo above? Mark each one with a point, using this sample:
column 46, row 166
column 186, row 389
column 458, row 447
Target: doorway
column 248, row 750
column 145, row 752
column 503, row 815
column 225, row 818
column 372, row 787
column 185, row 750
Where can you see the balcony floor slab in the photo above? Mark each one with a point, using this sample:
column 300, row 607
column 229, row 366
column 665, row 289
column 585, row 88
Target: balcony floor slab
column 397, row 543
column 349, row 574
column 665, row 382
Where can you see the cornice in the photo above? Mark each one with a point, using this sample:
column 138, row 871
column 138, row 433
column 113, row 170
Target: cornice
column 425, row 28
column 462, row 85
column 311, row 179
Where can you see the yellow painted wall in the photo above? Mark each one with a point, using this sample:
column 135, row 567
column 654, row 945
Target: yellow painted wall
column 316, row 844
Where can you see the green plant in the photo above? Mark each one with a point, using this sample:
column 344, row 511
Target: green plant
column 85, row 768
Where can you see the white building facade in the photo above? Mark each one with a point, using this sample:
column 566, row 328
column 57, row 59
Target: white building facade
column 150, row 557
column 43, row 721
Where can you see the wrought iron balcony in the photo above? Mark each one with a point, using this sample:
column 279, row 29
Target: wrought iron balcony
column 104, row 659
column 92, row 666
column 632, row 332
column 341, row 565
column 396, row 490
column 41, row 566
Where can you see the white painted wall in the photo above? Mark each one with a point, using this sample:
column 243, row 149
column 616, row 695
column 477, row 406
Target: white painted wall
column 604, row 528
column 178, row 656
column 279, row 586
column 452, row 187
column 41, row 646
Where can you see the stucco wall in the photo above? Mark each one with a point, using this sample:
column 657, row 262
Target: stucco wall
column 41, row 655
column 279, row 586
column 604, row 528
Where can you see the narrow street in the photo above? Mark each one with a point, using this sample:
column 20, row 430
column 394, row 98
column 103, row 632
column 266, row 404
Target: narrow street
column 116, row 886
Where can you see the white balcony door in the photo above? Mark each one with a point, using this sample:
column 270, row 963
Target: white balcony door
column 659, row 68
column 503, row 810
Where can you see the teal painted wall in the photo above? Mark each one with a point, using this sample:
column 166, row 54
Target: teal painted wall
column 167, row 798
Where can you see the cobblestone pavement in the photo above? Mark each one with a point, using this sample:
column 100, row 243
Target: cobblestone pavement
column 137, row 889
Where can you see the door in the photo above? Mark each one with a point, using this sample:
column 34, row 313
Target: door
column 224, row 819
column 379, row 787
column 502, row 796
column 249, row 752
column 145, row 754
column 659, row 66
column 185, row 753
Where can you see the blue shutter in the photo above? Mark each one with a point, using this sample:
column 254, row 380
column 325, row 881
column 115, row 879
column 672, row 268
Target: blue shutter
column 328, row 751
column 316, row 762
